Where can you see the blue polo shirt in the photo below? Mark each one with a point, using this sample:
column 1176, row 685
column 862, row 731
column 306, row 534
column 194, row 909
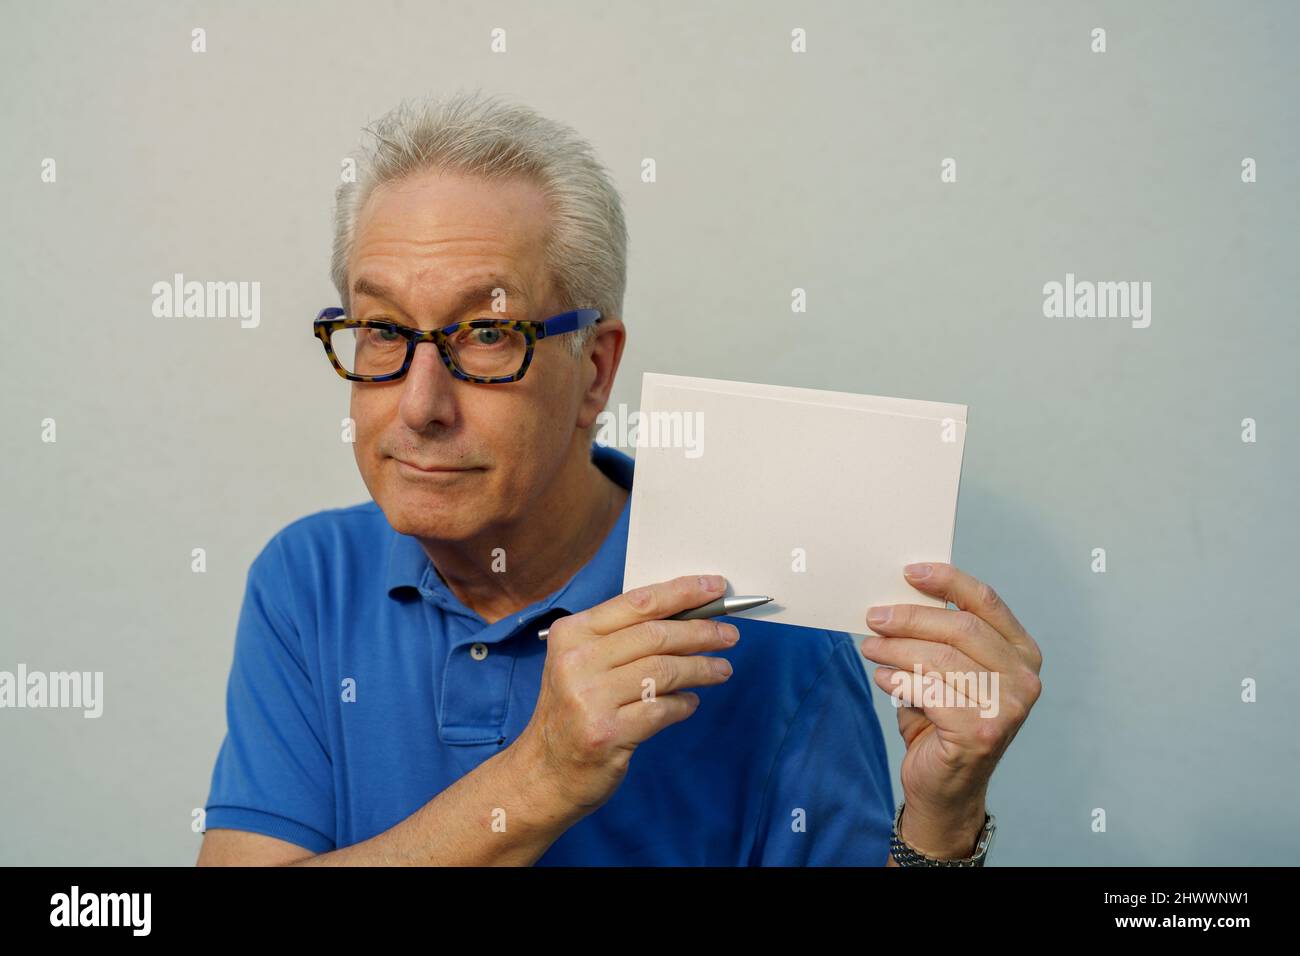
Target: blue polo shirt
column 362, row 687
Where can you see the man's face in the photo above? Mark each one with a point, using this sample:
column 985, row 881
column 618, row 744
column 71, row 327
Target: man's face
column 419, row 246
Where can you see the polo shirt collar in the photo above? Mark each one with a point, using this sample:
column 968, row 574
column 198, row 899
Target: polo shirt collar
column 407, row 563
column 410, row 571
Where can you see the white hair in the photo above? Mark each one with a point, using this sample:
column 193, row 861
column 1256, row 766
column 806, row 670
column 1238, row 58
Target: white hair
column 586, row 244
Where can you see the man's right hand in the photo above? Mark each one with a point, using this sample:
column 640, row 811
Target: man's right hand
column 595, row 705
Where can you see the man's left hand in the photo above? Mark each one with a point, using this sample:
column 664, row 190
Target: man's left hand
column 979, row 678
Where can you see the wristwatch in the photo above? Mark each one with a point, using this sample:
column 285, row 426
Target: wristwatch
column 904, row 855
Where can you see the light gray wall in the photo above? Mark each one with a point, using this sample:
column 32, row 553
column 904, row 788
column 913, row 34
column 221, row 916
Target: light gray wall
column 775, row 171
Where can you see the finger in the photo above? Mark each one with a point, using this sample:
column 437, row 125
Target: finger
column 640, row 720
column 971, row 594
column 910, row 722
column 991, row 690
column 652, row 602
column 662, row 675
column 910, row 689
column 931, row 656
column 925, row 697
column 664, row 637
column 961, row 630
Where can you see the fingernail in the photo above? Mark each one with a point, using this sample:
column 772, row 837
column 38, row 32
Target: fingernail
column 712, row 582
column 722, row 666
column 918, row 571
column 728, row 632
column 879, row 615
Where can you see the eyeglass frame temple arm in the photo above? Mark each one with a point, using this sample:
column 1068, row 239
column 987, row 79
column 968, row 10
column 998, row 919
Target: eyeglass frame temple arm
column 569, row 322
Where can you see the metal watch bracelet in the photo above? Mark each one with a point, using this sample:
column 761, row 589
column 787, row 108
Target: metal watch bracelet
column 905, row 855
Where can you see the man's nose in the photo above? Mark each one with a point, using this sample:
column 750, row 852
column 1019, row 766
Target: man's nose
column 428, row 390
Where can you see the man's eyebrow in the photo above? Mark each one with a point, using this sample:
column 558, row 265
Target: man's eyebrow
column 471, row 296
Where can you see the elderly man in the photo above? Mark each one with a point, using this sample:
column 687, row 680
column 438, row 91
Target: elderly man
column 390, row 701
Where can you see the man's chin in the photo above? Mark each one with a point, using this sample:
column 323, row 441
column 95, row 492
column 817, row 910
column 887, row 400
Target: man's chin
column 438, row 516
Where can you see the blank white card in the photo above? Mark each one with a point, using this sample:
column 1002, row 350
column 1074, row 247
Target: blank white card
column 816, row 498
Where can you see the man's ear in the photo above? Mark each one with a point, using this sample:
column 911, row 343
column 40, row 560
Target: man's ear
column 600, row 358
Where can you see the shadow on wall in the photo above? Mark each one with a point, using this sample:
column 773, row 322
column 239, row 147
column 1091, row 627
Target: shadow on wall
column 1043, row 790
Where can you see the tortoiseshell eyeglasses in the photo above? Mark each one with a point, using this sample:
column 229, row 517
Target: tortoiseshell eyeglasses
column 486, row 351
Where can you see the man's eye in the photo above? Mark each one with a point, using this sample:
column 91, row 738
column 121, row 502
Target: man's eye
column 371, row 335
column 489, row 337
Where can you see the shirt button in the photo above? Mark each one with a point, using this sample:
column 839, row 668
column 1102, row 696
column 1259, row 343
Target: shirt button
column 478, row 651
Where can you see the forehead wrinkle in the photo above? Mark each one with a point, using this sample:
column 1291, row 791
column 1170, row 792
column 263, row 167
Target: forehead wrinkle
column 471, row 294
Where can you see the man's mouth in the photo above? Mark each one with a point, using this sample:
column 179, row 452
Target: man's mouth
column 431, row 468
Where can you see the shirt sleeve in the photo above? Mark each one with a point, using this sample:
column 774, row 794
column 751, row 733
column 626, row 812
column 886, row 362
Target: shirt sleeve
column 273, row 774
column 829, row 799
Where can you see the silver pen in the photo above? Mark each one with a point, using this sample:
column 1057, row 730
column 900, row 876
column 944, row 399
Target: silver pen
column 715, row 608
